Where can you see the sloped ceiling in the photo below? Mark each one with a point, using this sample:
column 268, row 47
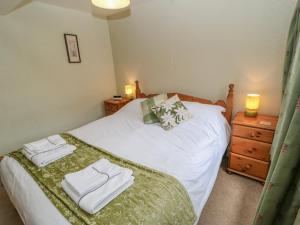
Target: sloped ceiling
column 7, row 6
column 81, row 5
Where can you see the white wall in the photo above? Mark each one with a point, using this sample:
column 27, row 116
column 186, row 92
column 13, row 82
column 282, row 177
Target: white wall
column 200, row 46
column 40, row 92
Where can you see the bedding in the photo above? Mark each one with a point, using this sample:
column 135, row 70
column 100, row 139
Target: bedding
column 191, row 152
column 139, row 203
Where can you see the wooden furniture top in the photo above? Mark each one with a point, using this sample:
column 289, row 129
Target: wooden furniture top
column 228, row 105
column 113, row 105
column 241, row 119
column 115, row 101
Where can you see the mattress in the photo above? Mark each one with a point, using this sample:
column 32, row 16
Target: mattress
column 191, row 152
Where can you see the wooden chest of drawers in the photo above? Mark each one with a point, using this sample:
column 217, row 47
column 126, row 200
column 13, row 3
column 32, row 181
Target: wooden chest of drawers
column 111, row 106
column 250, row 146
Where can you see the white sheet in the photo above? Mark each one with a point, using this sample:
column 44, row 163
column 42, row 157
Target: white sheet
column 191, row 152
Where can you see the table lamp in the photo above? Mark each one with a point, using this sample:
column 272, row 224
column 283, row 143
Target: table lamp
column 128, row 91
column 252, row 105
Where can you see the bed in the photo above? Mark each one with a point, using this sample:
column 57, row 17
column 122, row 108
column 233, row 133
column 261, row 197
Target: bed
column 191, row 153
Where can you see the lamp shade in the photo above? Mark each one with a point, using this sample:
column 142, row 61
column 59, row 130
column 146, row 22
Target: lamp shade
column 129, row 91
column 252, row 104
column 111, row 4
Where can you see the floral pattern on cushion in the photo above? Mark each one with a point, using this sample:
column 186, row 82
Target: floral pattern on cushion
column 148, row 116
column 171, row 113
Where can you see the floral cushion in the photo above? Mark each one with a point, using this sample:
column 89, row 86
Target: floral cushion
column 171, row 113
column 148, row 116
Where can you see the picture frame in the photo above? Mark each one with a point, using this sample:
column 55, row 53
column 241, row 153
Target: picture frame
column 72, row 48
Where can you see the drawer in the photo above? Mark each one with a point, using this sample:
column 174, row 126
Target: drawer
column 111, row 107
column 251, row 148
column 122, row 104
column 253, row 133
column 109, row 112
column 246, row 165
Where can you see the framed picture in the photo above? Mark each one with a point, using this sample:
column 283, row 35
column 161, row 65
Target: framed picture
column 72, row 48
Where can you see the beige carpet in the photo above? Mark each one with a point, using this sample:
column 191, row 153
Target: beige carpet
column 233, row 202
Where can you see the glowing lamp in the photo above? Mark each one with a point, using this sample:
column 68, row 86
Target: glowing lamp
column 252, row 105
column 111, row 4
column 128, row 91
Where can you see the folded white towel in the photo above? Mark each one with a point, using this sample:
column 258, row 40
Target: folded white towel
column 56, row 140
column 101, row 195
column 93, row 176
column 41, row 159
column 46, row 144
column 99, row 198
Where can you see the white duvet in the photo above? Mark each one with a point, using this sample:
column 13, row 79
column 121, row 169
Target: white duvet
column 191, row 152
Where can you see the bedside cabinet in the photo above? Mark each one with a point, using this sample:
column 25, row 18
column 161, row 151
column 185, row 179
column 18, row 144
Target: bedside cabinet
column 111, row 106
column 251, row 141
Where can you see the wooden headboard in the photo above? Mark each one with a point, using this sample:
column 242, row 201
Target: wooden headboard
column 228, row 105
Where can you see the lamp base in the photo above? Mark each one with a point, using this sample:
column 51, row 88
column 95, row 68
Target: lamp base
column 250, row 113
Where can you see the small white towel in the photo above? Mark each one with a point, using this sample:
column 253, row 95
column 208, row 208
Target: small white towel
column 46, row 144
column 56, row 140
column 99, row 196
column 93, row 176
column 44, row 158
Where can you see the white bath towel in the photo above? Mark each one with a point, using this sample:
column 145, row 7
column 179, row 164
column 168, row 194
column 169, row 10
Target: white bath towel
column 100, row 196
column 45, row 144
column 93, row 176
column 44, row 158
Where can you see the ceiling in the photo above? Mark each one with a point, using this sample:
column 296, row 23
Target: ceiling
column 82, row 5
column 7, row 6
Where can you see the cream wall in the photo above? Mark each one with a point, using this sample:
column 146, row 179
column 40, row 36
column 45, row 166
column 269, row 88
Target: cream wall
column 200, row 46
column 40, row 92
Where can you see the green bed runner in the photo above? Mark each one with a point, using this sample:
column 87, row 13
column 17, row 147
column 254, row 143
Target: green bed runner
column 155, row 198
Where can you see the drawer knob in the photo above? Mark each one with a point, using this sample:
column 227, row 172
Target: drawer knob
column 258, row 134
column 255, row 134
column 251, row 150
column 248, row 166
